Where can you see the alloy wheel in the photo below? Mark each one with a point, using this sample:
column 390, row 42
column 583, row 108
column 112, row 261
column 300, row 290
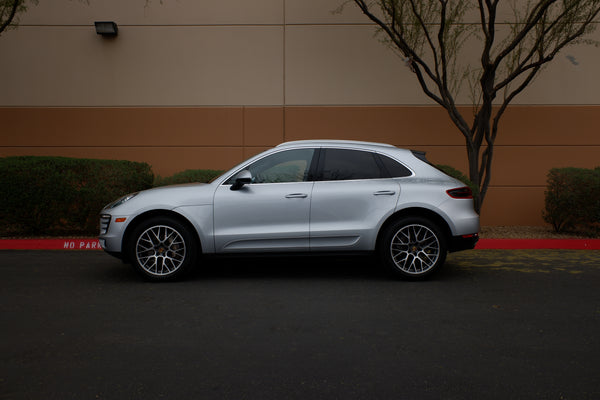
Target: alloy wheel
column 160, row 250
column 415, row 249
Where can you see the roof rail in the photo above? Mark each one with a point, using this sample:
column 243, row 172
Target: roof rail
column 334, row 141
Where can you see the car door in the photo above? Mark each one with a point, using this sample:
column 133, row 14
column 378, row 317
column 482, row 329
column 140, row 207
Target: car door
column 272, row 212
column 350, row 198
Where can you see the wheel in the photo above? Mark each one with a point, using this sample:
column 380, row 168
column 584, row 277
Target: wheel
column 162, row 248
column 413, row 247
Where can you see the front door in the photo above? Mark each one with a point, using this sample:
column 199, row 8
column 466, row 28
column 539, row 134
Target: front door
column 271, row 213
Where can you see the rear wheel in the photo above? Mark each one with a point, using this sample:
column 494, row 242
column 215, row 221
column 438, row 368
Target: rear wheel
column 413, row 247
column 162, row 248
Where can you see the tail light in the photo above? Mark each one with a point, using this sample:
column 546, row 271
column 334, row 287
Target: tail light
column 460, row 193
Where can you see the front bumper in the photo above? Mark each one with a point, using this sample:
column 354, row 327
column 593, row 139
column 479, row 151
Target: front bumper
column 112, row 230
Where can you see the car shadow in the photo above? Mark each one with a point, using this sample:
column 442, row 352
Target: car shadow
column 362, row 267
column 288, row 267
column 359, row 267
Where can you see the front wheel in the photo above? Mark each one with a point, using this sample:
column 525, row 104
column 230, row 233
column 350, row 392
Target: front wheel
column 413, row 247
column 162, row 248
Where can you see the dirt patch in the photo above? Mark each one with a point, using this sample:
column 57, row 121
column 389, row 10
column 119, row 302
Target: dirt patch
column 527, row 232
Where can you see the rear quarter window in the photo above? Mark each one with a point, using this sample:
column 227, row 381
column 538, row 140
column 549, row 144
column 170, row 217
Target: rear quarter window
column 394, row 168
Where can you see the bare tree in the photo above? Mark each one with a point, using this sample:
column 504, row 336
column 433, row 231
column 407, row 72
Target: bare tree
column 430, row 35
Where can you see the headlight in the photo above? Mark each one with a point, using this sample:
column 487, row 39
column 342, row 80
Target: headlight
column 121, row 200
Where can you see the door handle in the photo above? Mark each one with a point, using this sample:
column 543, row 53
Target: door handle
column 296, row 196
column 385, row 193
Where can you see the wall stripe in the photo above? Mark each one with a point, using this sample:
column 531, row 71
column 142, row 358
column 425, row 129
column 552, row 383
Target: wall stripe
column 174, row 139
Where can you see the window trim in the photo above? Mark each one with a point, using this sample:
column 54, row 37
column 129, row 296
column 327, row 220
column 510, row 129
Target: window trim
column 317, row 162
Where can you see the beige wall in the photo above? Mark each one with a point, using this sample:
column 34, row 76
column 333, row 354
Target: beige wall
column 72, row 66
column 231, row 53
column 205, row 84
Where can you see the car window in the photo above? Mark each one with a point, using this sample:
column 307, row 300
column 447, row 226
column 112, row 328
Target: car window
column 393, row 167
column 342, row 164
column 285, row 166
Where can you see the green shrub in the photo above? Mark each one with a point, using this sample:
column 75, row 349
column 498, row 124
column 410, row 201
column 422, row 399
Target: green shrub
column 572, row 199
column 59, row 195
column 188, row 176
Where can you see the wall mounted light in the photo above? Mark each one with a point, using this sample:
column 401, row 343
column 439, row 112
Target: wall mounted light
column 106, row 28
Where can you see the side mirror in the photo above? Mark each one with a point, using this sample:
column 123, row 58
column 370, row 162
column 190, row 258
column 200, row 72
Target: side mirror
column 241, row 179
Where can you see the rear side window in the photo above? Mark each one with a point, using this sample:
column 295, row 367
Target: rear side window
column 341, row 164
column 394, row 168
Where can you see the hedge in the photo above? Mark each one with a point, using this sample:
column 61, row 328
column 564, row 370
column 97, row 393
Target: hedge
column 59, row 195
column 572, row 199
column 188, row 176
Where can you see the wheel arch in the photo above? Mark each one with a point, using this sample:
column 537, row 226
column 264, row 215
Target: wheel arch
column 156, row 213
column 416, row 212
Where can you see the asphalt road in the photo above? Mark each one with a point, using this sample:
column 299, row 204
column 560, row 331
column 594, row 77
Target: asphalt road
column 492, row 325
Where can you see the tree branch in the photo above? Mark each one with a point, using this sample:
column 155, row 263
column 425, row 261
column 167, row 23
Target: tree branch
column 442, row 44
column 407, row 51
column 523, row 67
column 427, row 36
column 532, row 20
column 11, row 15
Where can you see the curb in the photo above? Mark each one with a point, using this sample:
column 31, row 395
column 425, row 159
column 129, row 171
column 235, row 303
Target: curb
column 50, row 244
column 483, row 244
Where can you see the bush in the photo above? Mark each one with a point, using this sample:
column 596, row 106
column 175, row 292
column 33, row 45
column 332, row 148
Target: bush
column 188, row 176
column 59, row 195
column 573, row 199
column 456, row 174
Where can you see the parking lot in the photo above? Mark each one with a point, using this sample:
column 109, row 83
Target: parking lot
column 493, row 324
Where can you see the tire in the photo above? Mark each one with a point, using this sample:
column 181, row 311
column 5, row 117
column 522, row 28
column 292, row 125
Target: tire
column 412, row 248
column 162, row 249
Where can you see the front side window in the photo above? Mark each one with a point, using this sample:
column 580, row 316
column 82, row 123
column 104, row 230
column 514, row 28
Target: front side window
column 285, row 166
column 342, row 164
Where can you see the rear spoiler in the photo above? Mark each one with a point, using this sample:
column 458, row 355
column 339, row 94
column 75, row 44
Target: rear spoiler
column 420, row 155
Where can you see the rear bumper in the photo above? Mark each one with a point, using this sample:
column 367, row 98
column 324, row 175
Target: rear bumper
column 463, row 242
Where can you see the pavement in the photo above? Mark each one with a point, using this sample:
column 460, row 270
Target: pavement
column 492, row 324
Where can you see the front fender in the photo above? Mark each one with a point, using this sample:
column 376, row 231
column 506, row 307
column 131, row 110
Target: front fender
column 201, row 217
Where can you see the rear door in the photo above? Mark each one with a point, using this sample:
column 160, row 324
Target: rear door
column 352, row 195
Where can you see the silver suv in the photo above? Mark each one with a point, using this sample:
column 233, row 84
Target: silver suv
column 300, row 197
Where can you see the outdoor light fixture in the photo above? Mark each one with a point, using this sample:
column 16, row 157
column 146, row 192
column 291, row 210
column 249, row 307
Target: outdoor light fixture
column 106, row 28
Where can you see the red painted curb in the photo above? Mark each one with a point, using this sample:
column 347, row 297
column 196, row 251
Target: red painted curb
column 50, row 244
column 506, row 244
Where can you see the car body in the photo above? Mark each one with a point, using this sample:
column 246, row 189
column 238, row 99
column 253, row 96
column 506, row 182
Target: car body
column 310, row 196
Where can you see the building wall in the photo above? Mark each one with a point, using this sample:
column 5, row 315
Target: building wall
column 204, row 84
